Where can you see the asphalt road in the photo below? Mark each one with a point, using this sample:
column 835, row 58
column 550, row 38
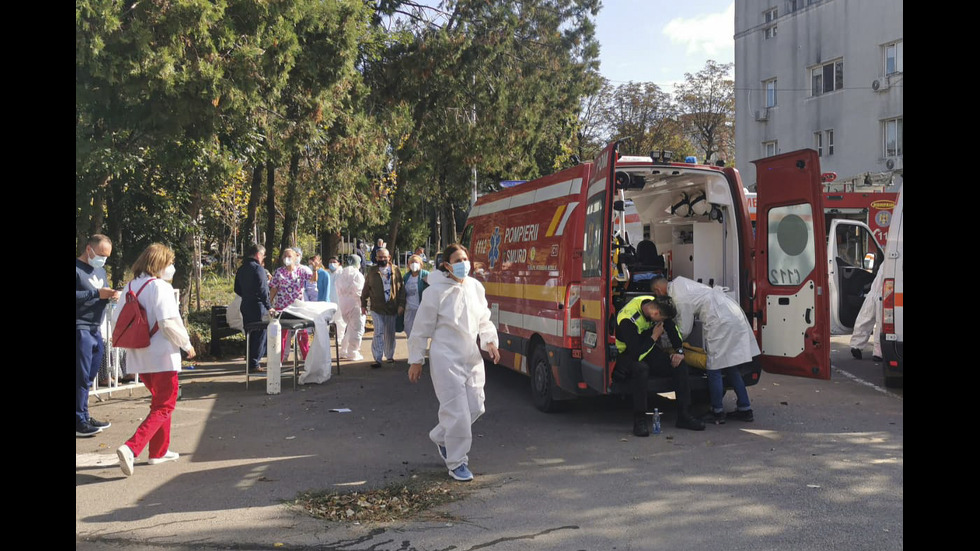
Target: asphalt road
column 820, row 468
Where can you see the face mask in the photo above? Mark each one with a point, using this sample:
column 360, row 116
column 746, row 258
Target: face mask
column 333, row 266
column 287, row 261
column 97, row 261
column 168, row 272
column 415, row 266
column 382, row 263
column 461, row 269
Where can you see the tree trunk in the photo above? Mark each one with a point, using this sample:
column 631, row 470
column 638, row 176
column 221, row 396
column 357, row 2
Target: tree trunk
column 397, row 208
column 290, row 205
column 252, row 210
column 330, row 245
column 114, row 203
column 270, row 216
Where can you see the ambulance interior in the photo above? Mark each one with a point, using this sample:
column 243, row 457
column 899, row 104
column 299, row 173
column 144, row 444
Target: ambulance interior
column 685, row 228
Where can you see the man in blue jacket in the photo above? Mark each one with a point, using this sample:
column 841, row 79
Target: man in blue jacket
column 92, row 294
column 252, row 284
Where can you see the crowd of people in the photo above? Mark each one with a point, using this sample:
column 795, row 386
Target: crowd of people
column 444, row 314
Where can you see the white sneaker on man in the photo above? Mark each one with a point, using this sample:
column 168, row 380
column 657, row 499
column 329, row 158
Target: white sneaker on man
column 169, row 456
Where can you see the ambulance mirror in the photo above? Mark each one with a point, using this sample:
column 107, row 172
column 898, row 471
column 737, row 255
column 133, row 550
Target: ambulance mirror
column 869, row 261
column 619, row 206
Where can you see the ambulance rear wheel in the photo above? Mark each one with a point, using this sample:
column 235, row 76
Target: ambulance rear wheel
column 542, row 382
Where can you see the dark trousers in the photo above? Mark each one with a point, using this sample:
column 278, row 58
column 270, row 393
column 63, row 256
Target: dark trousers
column 256, row 343
column 89, row 349
column 656, row 363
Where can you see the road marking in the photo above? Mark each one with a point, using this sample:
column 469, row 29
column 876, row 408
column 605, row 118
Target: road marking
column 859, row 380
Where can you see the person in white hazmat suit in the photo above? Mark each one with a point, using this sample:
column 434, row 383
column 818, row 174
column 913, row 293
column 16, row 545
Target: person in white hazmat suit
column 349, row 284
column 867, row 319
column 453, row 313
column 728, row 339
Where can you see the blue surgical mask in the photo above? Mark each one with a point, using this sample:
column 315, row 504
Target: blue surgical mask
column 461, row 269
column 96, row 260
column 333, row 266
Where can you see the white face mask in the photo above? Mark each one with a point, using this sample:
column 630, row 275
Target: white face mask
column 97, row 261
column 168, row 272
column 461, row 269
column 333, row 266
column 415, row 266
column 287, row 261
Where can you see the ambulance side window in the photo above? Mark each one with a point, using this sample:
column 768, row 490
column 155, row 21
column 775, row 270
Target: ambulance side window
column 792, row 252
column 594, row 234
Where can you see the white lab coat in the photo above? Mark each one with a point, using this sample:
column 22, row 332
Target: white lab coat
column 453, row 315
column 349, row 284
column 728, row 337
column 869, row 316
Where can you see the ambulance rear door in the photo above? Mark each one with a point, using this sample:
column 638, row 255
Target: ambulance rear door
column 596, row 262
column 792, row 305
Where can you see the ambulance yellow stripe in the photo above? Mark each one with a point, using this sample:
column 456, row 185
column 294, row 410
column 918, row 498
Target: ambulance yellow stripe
column 532, row 292
column 554, row 221
column 591, row 309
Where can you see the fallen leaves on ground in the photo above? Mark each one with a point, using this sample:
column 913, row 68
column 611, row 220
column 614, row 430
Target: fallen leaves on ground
column 399, row 501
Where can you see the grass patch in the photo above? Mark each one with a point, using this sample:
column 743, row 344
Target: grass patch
column 412, row 500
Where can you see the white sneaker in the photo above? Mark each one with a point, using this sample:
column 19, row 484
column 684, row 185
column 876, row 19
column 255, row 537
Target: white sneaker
column 356, row 357
column 125, row 459
column 169, row 456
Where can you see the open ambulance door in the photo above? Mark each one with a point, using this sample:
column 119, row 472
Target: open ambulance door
column 597, row 342
column 854, row 256
column 792, row 297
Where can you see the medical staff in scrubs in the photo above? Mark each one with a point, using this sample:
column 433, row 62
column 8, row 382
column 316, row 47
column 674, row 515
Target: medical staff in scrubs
column 453, row 313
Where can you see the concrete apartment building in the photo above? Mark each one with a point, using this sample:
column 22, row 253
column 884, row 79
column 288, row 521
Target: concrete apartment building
column 826, row 75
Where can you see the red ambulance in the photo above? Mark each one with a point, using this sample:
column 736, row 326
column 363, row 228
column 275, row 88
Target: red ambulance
column 560, row 255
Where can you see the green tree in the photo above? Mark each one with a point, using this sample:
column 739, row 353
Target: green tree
column 706, row 101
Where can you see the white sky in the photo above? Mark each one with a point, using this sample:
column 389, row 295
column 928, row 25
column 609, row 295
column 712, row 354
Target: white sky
column 660, row 40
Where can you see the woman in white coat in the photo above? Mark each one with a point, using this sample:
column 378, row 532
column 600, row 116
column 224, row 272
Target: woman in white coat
column 728, row 338
column 453, row 313
column 158, row 364
column 350, row 283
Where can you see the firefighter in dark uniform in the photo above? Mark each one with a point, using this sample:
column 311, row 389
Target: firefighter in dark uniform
column 639, row 327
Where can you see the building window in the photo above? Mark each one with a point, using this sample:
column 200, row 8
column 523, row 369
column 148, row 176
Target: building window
column 823, row 142
column 770, row 18
column 892, row 134
column 769, row 149
column 827, row 77
column 770, row 92
column 893, row 58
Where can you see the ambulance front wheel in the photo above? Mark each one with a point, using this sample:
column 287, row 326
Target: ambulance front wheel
column 542, row 382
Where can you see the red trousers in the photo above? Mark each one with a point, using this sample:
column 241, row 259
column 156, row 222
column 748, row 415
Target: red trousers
column 304, row 343
column 155, row 429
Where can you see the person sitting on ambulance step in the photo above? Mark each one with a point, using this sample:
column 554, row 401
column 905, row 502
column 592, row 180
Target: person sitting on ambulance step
column 640, row 324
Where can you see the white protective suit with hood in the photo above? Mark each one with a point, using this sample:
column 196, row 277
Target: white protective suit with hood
column 453, row 314
column 728, row 337
column 869, row 316
column 349, row 284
